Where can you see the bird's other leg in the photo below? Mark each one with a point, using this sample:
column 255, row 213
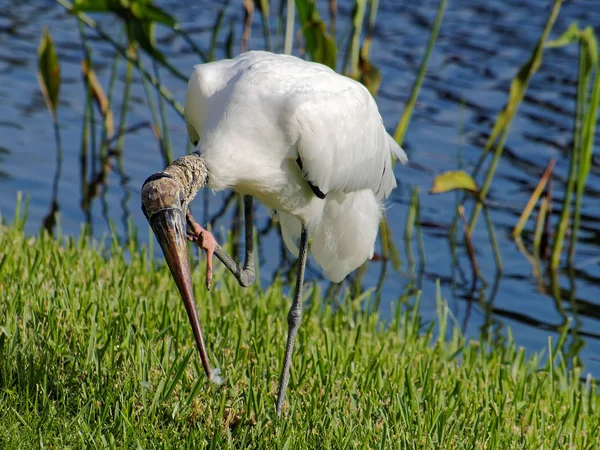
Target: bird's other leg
column 294, row 319
column 207, row 242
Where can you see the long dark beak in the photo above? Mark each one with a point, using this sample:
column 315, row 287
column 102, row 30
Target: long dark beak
column 169, row 227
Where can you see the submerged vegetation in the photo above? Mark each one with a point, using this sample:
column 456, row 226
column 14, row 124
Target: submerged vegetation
column 95, row 352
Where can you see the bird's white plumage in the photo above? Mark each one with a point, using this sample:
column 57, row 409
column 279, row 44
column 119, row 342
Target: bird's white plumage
column 258, row 113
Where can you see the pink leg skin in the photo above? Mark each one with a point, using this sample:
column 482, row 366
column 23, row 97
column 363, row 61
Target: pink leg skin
column 205, row 240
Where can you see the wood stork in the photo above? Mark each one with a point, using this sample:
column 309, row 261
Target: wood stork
column 309, row 143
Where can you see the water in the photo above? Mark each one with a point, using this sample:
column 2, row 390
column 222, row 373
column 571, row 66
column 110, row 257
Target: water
column 480, row 47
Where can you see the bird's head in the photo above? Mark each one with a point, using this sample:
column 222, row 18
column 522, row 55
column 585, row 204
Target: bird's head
column 164, row 206
column 165, row 198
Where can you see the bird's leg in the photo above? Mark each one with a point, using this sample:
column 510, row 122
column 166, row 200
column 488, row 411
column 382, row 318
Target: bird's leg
column 207, row 242
column 294, row 319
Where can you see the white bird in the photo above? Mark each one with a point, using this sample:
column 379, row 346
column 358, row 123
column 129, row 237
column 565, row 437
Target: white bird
column 309, row 143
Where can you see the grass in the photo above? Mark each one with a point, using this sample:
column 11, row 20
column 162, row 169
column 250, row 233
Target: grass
column 96, row 351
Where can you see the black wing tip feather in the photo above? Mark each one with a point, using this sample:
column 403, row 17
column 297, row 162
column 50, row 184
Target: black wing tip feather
column 316, row 190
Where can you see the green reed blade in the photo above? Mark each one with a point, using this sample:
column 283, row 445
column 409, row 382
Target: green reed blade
column 493, row 241
column 165, row 137
column 539, row 226
column 352, row 52
column 402, row 126
column 420, row 241
column 289, row 27
column 408, row 231
column 535, row 195
column 215, row 31
column 125, row 104
column 518, row 87
column 388, row 248
column 153, row 111
column 264, row 7
column 83, row 153
column 574, row 169
column 187, row 38
column 587, row 127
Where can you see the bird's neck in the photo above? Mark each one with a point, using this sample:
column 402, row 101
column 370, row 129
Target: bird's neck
column 190, row 172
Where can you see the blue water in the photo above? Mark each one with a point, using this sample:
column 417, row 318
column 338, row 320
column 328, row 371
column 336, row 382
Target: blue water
column 480, row 47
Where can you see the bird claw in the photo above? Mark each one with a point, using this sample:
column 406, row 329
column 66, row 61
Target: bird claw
column 206, row 241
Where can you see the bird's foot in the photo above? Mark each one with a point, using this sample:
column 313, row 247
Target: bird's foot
column 205, row 240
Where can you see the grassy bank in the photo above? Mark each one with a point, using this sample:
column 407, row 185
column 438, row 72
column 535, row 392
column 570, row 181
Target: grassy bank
column 97, row 351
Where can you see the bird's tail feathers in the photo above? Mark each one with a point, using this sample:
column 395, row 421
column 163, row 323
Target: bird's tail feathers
column 290, row 230
column 344, row 237
column 388, row 182
column 397, row 151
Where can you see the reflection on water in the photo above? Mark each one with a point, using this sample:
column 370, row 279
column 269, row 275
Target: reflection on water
column 4, row 153
column 480, row 47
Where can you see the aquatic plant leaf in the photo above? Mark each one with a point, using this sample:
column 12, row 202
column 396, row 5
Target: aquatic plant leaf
column 146, row 11
column 49, row 72
column 571, row 36
column 319, row 43
column 370, row 75
column 588, row 129
column 100, row 97
column 452, row 180
column 353, row 52
column 589, row 48
column 215, row 32
column 142, row 33
column 519, row 83
column 389, row 249
column 139, row 17
column 534, row 198
column 518, row 87
column 366, row 73
column 586, row 109
column 263, row 6
column 143, row 10
column 96, row 5
column 412, row 101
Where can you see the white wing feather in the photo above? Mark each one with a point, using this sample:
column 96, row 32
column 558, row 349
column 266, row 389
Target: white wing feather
column 257, row 113
column 261, row 101
column 342, row 141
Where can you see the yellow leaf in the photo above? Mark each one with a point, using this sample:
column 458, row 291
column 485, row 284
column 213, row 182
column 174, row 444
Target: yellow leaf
column 100, row 97
column 452, row 180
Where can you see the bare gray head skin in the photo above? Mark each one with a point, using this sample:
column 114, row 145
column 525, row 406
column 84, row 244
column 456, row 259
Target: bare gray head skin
column 165, row 199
